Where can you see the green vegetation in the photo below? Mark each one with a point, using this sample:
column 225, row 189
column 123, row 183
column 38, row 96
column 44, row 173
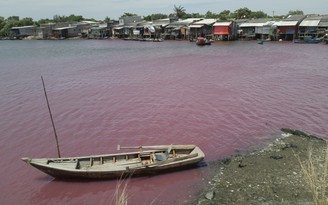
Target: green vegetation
column 155, row 17
column 12, row 21
column 242, row 13
column 128, row 14
column 179, row 11
column 296, row 12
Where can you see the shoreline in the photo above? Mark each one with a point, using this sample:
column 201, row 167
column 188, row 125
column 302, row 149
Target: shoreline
column 272, row 175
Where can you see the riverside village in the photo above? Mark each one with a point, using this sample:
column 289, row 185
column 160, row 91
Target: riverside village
column 297, row 28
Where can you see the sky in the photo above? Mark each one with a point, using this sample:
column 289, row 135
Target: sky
column 100, row 9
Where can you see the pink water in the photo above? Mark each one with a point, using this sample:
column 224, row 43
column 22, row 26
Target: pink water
column 224, row 97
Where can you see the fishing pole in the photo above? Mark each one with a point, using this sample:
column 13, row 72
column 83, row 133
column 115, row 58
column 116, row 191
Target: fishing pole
column 52, row 121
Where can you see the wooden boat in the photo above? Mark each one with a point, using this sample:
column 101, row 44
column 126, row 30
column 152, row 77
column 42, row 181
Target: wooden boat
column 202, row 41
column 260, row 42
column 308, row 40
column 149, row 159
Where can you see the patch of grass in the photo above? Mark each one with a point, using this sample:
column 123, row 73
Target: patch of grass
column 121, row 195
column 315, row 171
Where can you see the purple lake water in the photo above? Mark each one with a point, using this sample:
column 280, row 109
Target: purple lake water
column 224, row 97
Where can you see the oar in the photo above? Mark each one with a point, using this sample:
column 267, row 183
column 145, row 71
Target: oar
column 119, row 147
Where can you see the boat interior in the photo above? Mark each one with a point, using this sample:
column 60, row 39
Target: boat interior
column 117, row 161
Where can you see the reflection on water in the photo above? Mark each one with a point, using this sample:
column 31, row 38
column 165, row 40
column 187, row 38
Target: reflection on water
column 143, row 190
column 224, row 97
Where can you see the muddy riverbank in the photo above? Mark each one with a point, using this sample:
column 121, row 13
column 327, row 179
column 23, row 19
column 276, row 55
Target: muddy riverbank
column 272, row 175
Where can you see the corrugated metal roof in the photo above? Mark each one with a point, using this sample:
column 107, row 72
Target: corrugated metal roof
column 206, row 21
column 307, row 23
column 21, row 27
column 196, row 26
column 189, row 20
column 260, row 20
column 286, row 23
column 324, row 17
column 172, row 26
column 185, row 22
column 251, row 24
column 323, row 24
column 313, row 17
column 294, row 18
column 63, row 28
column 239, row 21
column 222, row 24
column 269, row 23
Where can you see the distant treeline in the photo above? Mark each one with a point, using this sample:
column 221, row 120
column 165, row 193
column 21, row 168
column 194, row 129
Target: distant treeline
column 178, row 12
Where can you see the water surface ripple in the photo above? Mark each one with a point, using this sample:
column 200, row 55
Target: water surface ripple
column 224, row 97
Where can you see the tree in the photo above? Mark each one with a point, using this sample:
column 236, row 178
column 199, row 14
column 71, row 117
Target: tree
column 74, row 18
column 10, row 22
column 27, row 21
column 13, row 18
column 4, row 32
column 242, row 13
column 159, row 16
column 179, row 11
column 258, row 14
column 2, row 22
column 193, row 15
column 89, row 19
column 211, row 15
column 107, row 19
column 70, row 18
column 128, row 14
column 45, row 21
column 58, row 18
column 155, row 17
column 224, row 15
column 296, row 12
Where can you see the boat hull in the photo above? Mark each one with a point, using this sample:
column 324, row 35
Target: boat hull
column 118, row 165
column 308, row 40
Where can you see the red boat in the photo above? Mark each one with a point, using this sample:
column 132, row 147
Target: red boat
column 201, row 41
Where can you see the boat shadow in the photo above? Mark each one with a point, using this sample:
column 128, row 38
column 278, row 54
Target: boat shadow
column 75, row 191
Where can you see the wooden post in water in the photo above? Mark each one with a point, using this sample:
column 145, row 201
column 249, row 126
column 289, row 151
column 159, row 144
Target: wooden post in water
column 52, row 121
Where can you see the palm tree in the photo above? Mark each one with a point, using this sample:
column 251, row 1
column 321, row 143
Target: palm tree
column 179, row 11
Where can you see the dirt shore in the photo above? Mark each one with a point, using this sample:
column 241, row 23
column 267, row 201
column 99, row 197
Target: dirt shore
column 272, row 175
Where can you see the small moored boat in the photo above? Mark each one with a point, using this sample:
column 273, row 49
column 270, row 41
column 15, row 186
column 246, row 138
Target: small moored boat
column 308, row 40
column 150, row 159
column 201, row 41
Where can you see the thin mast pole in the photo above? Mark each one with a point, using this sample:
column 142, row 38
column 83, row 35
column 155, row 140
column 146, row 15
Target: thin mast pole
column 52, row 121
